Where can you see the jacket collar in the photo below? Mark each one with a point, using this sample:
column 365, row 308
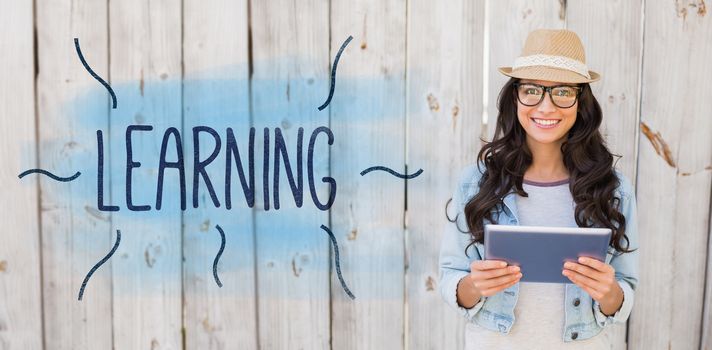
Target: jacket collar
column 510, row 202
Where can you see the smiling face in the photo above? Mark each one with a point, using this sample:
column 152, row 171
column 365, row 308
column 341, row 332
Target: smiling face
column 546, row 123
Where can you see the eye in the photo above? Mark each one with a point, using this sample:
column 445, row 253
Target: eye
column 531, row 90
column 564, row 92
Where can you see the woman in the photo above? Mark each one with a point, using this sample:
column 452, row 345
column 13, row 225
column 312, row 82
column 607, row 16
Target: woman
column 546, row 166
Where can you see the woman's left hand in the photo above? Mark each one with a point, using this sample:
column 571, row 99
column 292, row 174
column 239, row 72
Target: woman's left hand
column 598, row 280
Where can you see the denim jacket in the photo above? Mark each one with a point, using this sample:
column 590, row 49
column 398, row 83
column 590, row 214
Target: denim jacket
column 583, row 317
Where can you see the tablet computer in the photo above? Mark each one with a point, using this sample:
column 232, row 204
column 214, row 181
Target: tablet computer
column 540, row 251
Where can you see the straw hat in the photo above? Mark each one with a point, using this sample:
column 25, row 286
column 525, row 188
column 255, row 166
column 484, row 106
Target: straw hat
column 552, row 55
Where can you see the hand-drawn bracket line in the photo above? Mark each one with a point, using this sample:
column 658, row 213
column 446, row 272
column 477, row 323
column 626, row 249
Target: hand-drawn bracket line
column 97, row 77
column 52, row 176
column 333, row 73
column 217, row 257
column 336, row 259
column 101, row 262
column 392, row 172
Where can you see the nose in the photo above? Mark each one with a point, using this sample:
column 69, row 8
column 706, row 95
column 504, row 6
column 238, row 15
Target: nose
column 546, row 105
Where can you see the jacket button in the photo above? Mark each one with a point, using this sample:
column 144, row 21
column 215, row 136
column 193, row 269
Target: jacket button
column 574, row 335
column 577, row 302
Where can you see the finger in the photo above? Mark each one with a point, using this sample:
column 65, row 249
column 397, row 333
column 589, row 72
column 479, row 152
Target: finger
column 590, row 291
column 482, row 265
column 487, row 274
column 582, row 280
column 498, row 281
column 497, row 289
column 586, row 271
column 596, row 264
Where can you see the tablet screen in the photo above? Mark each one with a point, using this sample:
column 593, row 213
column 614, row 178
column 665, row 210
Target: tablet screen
column 541, row 251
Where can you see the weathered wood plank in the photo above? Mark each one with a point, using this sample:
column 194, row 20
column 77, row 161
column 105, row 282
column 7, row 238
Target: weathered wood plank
column 675, row 154
column 706, row 341
column 611, row 35
column 368, row 119
column 444, row 111
column 509, row 24
column 75, row 235
column 146, row 73
column 21, row 299
column 290, row 51
column 216, row 95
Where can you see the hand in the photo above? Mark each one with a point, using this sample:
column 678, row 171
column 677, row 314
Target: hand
column 492, row 276
column 598, row 280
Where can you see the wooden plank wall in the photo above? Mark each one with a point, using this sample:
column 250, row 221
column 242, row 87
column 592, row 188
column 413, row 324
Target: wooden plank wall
column 214, row 317
column 20, row 253
column 290, row 59
column 674, row 177
column 75, row 234
column 367, row 216
column 411, row 92
column 444, row 109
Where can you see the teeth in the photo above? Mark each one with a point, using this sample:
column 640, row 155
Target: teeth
column 546, row 122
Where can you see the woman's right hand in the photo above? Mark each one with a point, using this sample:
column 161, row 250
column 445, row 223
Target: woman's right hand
column 486, row 278
column 489, row 277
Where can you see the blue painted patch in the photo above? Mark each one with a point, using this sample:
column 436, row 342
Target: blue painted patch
column 134, row 171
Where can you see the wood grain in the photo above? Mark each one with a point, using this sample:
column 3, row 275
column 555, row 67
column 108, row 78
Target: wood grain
column 674, row 201
column 290, row 53
column 444, row 111
column 72, row 105
column 368, row 119
column 216, row 94
column 20, row 284
column 146, row 73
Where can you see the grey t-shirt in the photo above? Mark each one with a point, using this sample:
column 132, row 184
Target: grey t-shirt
column 539, row 312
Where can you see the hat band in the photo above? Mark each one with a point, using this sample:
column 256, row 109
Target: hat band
column 552, row 61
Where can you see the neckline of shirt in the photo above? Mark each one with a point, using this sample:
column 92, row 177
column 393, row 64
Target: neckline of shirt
column 546, row 184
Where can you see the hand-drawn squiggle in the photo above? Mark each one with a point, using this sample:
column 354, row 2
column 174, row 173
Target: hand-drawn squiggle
column 97, row 77
column 336, row 259
column 52, row 176
column 402, row 176
column 101, row 262
column 333, row 73
column 217, row 257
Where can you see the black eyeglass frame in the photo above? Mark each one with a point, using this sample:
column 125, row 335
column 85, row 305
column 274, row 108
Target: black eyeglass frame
column 547, row 89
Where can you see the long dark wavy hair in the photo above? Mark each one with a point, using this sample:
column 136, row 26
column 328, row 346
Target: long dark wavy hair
column 592, row 180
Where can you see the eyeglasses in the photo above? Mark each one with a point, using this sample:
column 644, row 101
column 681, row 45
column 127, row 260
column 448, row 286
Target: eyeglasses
column 563, row 96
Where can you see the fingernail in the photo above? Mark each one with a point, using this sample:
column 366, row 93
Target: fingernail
column 503, row 264
column 519, row 275
column 582, row 259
